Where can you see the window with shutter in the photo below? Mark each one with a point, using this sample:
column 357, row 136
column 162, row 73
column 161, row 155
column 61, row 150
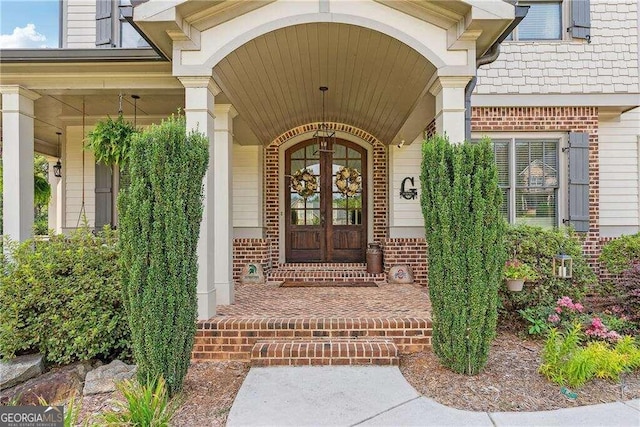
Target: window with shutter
column 579, row 181
column 543, row 22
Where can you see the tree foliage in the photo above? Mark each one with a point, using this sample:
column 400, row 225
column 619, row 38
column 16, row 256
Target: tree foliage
column 464, row 231
column 160, row 215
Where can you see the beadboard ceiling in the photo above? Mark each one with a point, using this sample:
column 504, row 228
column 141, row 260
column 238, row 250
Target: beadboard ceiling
column 374, row 80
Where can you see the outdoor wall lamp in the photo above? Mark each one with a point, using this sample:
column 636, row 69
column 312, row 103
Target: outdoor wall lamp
column 57, row 168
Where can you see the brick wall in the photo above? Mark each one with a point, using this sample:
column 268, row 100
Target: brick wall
column 554, row 119
column 412, row 252
column 250, row 250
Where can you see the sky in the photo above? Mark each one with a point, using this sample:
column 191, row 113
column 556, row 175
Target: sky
column 28, row 24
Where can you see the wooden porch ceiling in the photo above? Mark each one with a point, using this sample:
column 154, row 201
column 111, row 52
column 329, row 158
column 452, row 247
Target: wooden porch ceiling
column 374, row 80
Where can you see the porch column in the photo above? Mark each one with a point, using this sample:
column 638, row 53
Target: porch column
column 449, row 116
column 222, row 194
column 17, row 161
column 199, row 103
column 55, row 203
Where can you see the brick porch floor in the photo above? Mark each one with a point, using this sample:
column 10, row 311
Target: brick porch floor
column 266, row 312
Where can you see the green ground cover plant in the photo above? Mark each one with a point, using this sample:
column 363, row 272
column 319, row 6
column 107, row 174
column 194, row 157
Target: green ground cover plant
column 464, row 231
column 160, row 214
column 62, row 298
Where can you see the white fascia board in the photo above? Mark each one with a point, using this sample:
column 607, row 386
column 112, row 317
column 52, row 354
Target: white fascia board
column 492, row 9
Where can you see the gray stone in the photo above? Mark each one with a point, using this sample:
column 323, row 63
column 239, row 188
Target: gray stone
column 104, row 378
column 54, row 386
column 20, row 369
column 400, row 274
column 252, row 273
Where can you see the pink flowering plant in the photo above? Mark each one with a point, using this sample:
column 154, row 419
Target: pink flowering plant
column 565, row 313
column 599, row 331
column 515, row 269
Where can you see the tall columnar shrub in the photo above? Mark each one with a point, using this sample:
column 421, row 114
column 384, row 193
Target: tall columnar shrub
column 464, row 230
column 160, row 217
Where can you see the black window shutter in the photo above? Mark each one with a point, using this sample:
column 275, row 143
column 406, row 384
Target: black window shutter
column 104, row 200
column 580, row 19
column 579, row 181
column 104, row 26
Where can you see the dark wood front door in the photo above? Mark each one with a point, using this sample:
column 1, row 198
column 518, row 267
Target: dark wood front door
column 328, row 225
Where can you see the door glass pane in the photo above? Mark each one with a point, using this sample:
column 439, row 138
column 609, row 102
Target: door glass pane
column 312, row 151
column 297, row 202
column 297, row 216
column 339, row 151
column 298, row 154
column 339, row 201
column 297, row 165
column 357, row 164
column 355, row 216
column 353, row 154
column 313, row 202
column 313, row 216
column 339, row 217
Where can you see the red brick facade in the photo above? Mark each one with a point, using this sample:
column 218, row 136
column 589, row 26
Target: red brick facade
column 554, row 119
column 412, row 252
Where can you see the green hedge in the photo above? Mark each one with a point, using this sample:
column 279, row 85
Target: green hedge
column 160, row 214
column 536, row 247
column 62, row 298
column 618, row 255
column 464, row 231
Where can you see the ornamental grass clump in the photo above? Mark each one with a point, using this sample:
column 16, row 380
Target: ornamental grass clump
column 160, row 215
column 464, row 231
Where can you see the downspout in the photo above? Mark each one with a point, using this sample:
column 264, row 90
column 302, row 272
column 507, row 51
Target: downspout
column 487, row 58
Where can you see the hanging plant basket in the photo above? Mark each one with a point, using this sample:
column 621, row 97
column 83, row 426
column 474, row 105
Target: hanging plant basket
column 304, row 183
column 348, row 181
column 515, row 285
column 110, row 140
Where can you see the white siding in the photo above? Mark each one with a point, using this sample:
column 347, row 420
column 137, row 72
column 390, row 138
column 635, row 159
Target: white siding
column 609, row 64
column 619, row 174
column 73, row 173
column 405, row 214
column 80, row 28
column 247, row 186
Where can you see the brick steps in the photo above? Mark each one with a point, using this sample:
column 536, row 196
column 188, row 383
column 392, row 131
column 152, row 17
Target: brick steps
column 325, row 272
column 230, row 338
column 325, row 352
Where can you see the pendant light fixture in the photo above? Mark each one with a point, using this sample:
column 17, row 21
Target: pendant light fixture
column 57, row 168
column 135, row 110
column 324, row 136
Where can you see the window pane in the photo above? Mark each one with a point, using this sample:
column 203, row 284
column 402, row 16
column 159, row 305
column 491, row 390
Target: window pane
column 501, row 153
column 504, row 208
column 536, row 206
column 129, row 37
column 543, row 22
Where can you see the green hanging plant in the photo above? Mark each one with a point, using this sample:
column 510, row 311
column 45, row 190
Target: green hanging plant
column 110, row 141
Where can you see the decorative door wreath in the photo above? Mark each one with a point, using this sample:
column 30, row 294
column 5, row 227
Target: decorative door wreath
column 348, row 181
column 304, row 183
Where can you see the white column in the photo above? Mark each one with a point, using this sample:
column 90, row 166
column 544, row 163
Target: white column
column 199, row 104
column 222, row 164
column 55, row 203
column 449, row 116
column 17, row 160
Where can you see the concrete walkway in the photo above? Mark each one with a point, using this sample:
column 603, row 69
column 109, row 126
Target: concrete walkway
column 380, row 396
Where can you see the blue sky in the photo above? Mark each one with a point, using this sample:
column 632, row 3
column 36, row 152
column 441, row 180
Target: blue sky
column 29, row 23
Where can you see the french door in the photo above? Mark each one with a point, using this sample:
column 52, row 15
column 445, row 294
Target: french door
column 326, row 216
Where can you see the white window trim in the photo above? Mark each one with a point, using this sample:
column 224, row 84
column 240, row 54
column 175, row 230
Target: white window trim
column 563, row 163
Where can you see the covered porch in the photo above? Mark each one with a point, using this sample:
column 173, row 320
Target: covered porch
column 247, row 76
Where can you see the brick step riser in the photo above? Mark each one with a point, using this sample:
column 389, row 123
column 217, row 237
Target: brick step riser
column 237, row 344
column 325, row 353
column 326, row 277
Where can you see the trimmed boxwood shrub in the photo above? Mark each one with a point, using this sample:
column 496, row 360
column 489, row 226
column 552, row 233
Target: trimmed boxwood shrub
column 619, row 254
column 160, row 215
column 62, row 298
column 464, row 230
column 536, row 247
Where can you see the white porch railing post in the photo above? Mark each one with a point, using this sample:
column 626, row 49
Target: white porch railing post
column 223, row 217
column 17, row 161
column 199, row 105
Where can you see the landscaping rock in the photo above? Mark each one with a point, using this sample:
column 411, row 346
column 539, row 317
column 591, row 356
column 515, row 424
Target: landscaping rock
column 20, row 369
column 54, row 387
column 104, row 378
column 400, row 274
